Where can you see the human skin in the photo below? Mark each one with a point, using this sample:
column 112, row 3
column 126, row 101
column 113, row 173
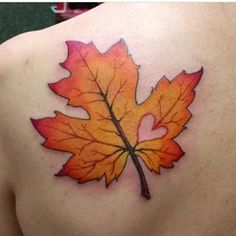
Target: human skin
column 196, row 197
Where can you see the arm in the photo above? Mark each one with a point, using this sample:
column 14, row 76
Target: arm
column 8, row 221
column 9, row 225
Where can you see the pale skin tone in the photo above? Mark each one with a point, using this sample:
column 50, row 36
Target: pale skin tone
column 195, row 198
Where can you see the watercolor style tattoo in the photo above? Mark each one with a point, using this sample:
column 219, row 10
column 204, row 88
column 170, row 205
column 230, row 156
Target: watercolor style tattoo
column 105, row 85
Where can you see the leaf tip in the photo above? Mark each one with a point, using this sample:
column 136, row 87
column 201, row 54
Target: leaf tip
column 122, row 41
column 201, row 72
column 70, row 43
column 107, row 182
column 57, row 112
column 62, row 64
column 34, row 122
column 60, row 173
column 197, row 76
column 198, row 73
column 53, row 87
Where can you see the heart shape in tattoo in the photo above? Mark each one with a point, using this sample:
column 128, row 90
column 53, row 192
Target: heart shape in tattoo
column 149, row 130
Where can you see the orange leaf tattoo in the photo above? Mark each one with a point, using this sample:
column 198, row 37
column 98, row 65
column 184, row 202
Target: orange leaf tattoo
column 104, row 84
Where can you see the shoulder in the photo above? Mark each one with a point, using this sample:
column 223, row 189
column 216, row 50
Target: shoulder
column 13, row 54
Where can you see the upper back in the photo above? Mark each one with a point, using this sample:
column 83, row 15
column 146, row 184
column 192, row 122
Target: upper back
column 196, row 197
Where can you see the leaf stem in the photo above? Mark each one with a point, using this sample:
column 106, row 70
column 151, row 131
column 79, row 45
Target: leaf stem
column 144, row 186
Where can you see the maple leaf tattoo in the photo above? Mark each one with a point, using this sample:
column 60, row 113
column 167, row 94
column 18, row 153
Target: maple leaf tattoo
column 104, row 84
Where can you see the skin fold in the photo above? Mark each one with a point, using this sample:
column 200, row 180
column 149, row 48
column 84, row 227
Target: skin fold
column 196, row 197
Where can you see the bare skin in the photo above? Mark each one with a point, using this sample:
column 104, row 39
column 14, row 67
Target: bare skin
column 195, row 198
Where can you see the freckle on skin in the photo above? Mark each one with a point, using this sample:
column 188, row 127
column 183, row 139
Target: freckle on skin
column 26, row 62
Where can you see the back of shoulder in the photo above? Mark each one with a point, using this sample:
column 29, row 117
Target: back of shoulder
column 30, row 61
